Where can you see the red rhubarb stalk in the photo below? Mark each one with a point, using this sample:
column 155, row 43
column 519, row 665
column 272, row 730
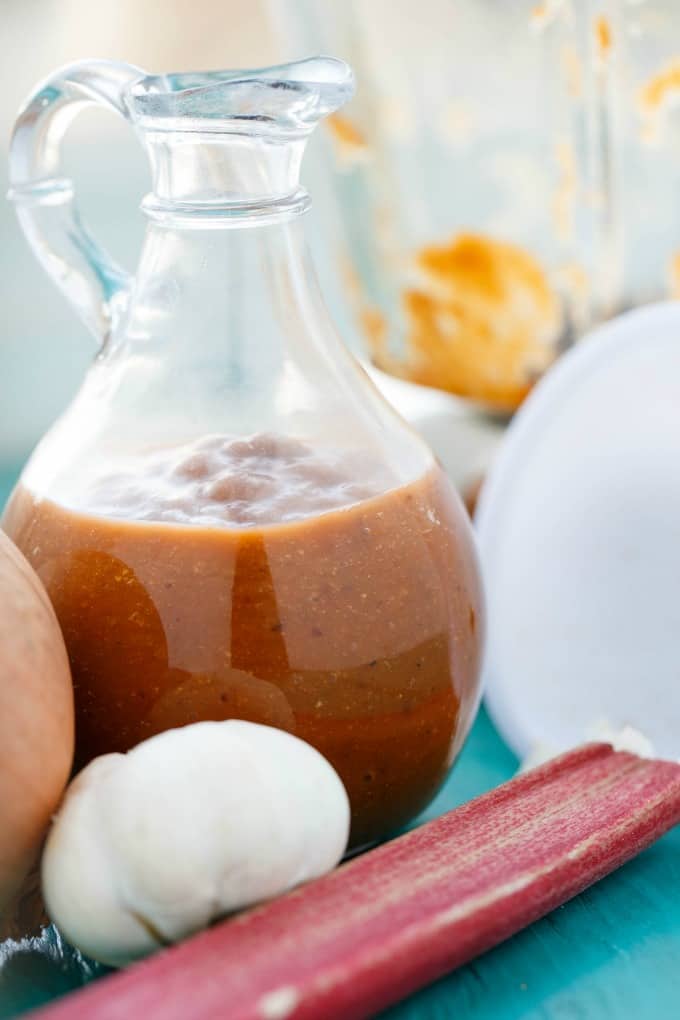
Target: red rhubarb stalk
column 383, row 925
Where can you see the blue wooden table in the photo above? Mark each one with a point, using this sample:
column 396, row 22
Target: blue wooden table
column 613, row 952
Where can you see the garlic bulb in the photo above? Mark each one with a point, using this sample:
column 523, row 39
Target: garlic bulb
column 190, row 825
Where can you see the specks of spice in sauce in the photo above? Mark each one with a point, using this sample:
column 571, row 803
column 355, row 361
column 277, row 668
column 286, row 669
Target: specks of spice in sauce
column 252, row 579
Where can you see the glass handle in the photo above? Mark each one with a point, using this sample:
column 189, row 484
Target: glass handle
column 88, row 276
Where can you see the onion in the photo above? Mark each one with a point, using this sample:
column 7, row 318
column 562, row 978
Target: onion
column 36, row 717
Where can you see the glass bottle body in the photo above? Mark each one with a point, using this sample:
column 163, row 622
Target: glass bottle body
column 231, row 523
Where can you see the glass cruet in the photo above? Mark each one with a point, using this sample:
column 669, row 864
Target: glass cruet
column 229, row 519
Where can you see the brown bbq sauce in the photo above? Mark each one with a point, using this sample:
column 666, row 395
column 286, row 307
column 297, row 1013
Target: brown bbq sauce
column 255, row 581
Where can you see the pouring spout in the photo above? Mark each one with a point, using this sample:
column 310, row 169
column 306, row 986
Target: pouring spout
column 284, row 100
column 234, row 140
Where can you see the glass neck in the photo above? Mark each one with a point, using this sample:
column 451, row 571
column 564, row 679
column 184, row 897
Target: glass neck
column 201, row 294
column 229, row 324
column 214, row 173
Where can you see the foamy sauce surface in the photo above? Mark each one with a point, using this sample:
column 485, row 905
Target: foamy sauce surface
column 243, row 482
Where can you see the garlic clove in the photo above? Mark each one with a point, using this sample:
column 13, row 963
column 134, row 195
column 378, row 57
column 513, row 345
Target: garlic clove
column 78, row 875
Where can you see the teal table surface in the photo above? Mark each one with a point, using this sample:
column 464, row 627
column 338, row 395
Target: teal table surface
column 613, row 952
column 7, row 479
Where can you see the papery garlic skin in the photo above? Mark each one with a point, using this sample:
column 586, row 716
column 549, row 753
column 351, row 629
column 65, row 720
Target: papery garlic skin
column 621, row 738
column 190, row 825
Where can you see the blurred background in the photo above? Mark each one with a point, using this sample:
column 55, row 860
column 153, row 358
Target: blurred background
column 44, row 348
column 505, row 178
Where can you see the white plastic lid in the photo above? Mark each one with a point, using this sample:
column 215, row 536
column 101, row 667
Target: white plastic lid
column 579, row 532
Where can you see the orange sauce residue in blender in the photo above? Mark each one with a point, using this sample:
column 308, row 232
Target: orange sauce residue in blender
column 564, row 197
column 674, row 276
column 603, row 38
column 572, row 71
column 482, row 322
column 543, row 14
column 656, row 96
column 349, row 141
column 661, row 87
